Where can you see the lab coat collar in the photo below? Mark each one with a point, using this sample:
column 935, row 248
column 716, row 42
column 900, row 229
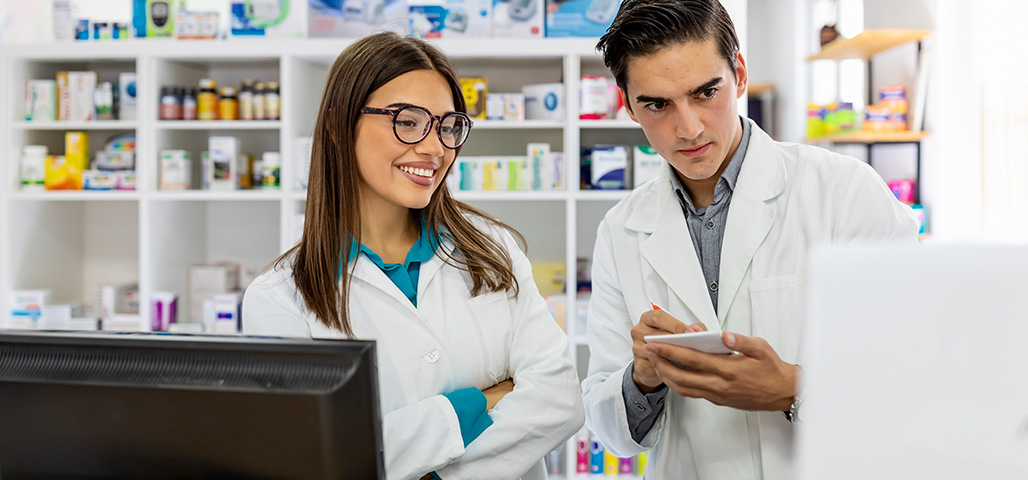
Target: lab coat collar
column 669, row 249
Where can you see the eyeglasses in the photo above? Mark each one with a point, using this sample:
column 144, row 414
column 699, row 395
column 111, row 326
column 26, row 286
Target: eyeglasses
column 411, row 124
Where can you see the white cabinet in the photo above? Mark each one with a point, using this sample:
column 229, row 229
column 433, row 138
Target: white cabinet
column 74, row 241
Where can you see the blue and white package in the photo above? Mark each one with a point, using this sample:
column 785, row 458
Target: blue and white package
column 609, row 163
column 268, row 18
column 579, row 18
column 544, row 101
column 450, row 18
column 356, row 18
column 518, row 18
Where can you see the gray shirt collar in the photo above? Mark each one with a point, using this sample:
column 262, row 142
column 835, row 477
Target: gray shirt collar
column 725, row 184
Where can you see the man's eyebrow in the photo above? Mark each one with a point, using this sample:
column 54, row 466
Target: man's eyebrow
column 710, row 83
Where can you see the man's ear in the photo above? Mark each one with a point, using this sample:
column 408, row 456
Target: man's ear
column 741, row 78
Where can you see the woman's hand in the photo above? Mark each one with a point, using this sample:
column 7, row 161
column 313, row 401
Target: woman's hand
column 494, row 393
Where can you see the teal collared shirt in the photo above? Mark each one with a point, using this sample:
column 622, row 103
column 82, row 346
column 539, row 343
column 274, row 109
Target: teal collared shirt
column 404, row 276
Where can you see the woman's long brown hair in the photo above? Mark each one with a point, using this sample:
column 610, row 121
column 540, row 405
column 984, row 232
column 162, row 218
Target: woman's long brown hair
column 333, row 214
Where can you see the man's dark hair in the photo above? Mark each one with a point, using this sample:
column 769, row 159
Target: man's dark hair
column 643, row 27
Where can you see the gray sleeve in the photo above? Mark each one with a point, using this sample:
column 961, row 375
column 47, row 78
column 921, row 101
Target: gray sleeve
column 642, row 408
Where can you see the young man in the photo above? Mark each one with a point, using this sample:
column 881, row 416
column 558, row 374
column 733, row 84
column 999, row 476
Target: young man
column 719, row 241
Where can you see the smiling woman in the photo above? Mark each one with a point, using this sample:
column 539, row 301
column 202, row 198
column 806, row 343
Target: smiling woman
column 388, row 255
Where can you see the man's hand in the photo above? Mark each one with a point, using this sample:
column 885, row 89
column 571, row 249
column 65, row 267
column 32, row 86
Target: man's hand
column 496, row 392
column 654, row 322
column 755, row 378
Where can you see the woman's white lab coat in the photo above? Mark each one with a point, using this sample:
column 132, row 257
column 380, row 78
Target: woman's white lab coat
column 449, row 342
column 788, row 199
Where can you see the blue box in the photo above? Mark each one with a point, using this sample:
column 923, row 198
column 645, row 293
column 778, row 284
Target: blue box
column 579, row 18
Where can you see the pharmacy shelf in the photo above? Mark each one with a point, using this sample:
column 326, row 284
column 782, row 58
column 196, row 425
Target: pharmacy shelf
column 871, row 137
column 608, row 124
column 208, row 195
column 94, row 125
column 867, row 44
column 76, row 196
column 601, row 195
column 510, row 196
column 515, row 124
column 218, row 124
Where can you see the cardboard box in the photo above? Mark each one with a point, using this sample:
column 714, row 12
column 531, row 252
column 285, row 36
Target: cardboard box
column 268, row 18
column 41, row 100
column 579, row 18
column 356, row 18
column 450, row 18
column 80, row 93
column 227, row 313
column 206, row 281
column 609, row 165
column 222, row 155
column 646, row 164
column 475, row 90
column 518, row 18
column 63, row 97
column 127, row 95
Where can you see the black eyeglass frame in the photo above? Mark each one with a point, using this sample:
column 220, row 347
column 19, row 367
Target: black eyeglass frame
column 435, row 120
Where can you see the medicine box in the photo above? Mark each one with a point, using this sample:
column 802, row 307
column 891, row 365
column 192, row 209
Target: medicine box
column 579, row 18
column 646, row 164
column 206, row 281
column 355, row 18
column 518, row 18
column 609, row 163
column 450, row 18
column 475, row 90
column 268, row 18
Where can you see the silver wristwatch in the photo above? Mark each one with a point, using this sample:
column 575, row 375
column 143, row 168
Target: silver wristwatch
column 793, row 415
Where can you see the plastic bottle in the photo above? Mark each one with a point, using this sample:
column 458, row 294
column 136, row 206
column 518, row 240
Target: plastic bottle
column 189, row 104
column 258, row 102
column 270, row 170
column 33, row 167
column 271, row 101
column 207, row 100
column 171, row 106
column 246, row 100
column 228, row 104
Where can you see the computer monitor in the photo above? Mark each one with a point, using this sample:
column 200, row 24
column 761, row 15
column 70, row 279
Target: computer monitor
column 916, row 364
column 75, row 405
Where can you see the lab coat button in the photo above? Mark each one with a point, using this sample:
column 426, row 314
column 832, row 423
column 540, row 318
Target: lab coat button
column 432, row 357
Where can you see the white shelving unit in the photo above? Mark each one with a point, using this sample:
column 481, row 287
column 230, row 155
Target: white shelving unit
column 71, row 242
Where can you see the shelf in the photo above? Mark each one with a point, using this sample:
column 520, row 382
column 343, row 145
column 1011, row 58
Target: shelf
column 76, row 195
column 601, row 195
column 515, row 124
column 758, row 89
column 608, row 124
column 871, row 137
column 867, row 44
column 208, row 195
column 94, row 125
column 219, row 124
column 500, row 195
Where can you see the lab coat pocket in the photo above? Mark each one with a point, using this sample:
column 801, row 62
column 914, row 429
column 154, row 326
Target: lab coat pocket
column 777, row 304
column 493, row 324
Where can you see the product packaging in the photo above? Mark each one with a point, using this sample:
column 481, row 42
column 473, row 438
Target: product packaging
column 206, row 281
column 163, row 311
column 176, row 170
column 518, row 18
column 579, row 18
column 646, row 164
column 356, row 18
column 513, row 106
column 269, row 18
column 494, row 106
column 609, row 163
column 450, row 18
column 127, row 96
column 40, row 100
column 222, row 152
column 81, row 86
column 475, row 90
column 196, row 25
column 544, row 101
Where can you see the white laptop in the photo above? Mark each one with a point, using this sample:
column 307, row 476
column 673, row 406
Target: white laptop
column 916, row 364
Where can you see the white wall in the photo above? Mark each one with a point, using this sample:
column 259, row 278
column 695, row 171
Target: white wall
column 777, row 46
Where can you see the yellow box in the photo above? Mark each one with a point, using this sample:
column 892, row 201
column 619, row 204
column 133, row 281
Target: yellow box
column 76, row 154
column 549, row 277
column 475, row 89
column 55, row 174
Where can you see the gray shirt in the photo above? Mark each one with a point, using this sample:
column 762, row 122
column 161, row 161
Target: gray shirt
column 707, row 229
